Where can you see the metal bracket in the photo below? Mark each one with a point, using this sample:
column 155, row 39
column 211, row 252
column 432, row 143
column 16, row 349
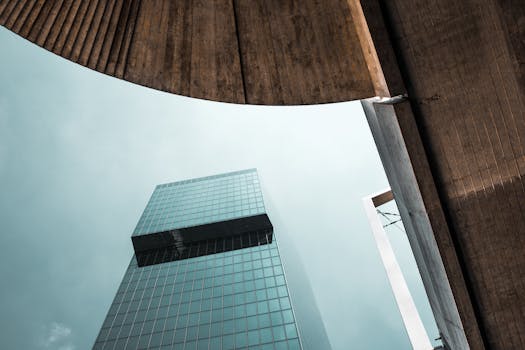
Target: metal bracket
column 391, row 100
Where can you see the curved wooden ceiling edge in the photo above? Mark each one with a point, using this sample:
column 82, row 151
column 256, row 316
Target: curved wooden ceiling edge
column 262, row 52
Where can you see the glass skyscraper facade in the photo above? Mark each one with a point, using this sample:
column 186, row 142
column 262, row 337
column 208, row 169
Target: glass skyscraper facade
column 206, row 273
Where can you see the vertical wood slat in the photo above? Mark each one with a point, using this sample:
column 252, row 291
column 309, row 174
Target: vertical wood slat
column 118, row 38
column 159, row 30
column 6, row 10
column 21, row 18
column 96, row 34
column 267, row 86
column 228, row 75
column 84, row 28
column 186, row 45
column 143, row 41
column 66, row 27
column 162, row 26
column 94, row 26
column 101, row 35
column 17, row 10
column 31, row 18
column 76, row 25
column 58, row 25
column 202, row 49
column 49, row 23
column 3, row 5
column 40, row 20
column 126, row 41
column 102, row 60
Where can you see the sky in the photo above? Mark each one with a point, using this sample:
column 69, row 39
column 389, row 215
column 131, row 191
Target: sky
column 81, row 152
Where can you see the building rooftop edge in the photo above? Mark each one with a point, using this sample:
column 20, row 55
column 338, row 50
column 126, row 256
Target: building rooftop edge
column 238, row 172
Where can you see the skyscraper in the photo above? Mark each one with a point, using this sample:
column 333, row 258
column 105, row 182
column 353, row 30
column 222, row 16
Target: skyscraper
column 206, row 273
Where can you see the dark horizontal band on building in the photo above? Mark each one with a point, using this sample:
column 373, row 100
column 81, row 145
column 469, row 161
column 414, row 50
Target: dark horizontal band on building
column 205, row 247
column 183, row 237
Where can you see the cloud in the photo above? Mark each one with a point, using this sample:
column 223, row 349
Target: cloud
column 58, row 337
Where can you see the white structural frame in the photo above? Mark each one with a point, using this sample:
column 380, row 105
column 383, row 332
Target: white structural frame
column 413, row 324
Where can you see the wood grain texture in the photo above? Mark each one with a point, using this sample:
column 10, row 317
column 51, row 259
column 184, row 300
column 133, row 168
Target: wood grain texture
column 240, row 51
column 294, row 52
column 462, row 63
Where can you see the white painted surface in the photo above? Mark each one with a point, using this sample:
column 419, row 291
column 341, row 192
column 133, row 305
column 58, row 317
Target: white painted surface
column 413, row 324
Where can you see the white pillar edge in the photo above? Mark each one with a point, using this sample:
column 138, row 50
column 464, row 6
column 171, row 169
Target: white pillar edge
column 414, row 326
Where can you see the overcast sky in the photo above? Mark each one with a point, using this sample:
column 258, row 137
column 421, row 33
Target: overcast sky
column 81, row 152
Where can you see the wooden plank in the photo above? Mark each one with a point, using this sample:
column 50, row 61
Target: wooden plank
column 21, row 18
column 310, row 50
column 83, row 31
column 17, row 10
column 58, row 24
column 101, row 34
column 118, row 38
column 126, row 41
column 228, row 74
column 108, row 38
column 40, row 20
column 31, row 18
column 257, row 46
column 76, row 25
column 142, row 39
column 382, row 198
column 206, row 51
column 6, row 11
column 63, row 34
column 175, row 22
column 3, row 6
column 49, row 23
column 92, row 32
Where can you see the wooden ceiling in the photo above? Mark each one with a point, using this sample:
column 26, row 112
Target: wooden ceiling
column 268, row 52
